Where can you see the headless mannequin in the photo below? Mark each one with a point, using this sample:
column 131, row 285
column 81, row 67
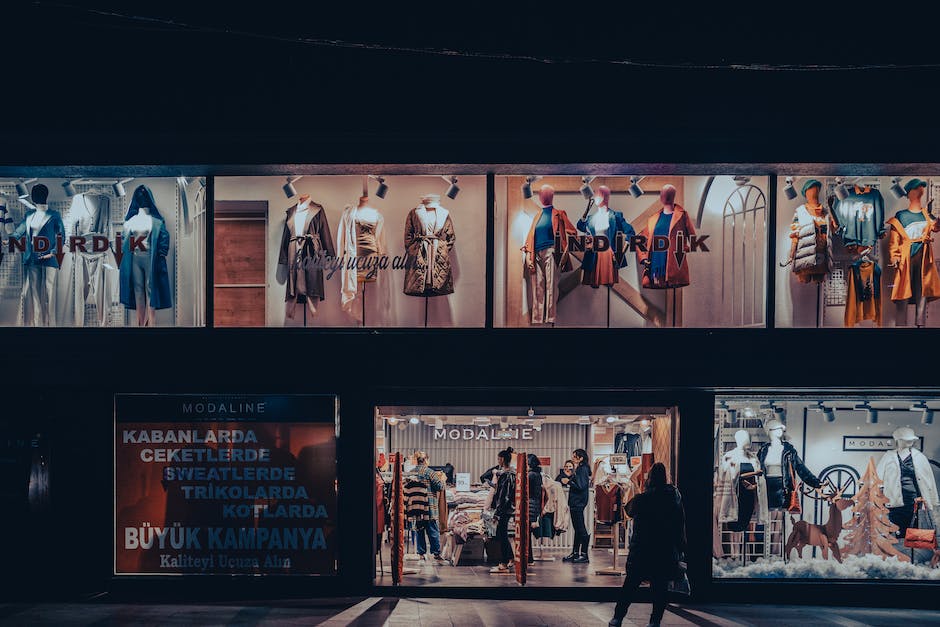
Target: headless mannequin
column 141, row 225
column 814, row 207
column 746, row 485
column 300, row 216
column 370, row 218
column 773, row 466
column 39, row 286
column 902, row 516
column 601, row 218
column 915, row 197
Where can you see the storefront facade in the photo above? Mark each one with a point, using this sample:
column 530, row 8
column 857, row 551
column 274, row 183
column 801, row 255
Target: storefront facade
column 741, row 339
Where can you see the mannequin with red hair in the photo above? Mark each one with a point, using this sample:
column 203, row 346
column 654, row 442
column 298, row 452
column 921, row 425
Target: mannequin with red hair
column 663, row 269
column 544, row 260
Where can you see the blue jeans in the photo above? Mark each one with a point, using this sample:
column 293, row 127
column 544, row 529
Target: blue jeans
column 429, row 526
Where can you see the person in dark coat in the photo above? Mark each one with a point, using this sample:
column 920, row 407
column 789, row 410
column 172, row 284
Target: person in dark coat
column 578, row 485
column 535, row 497
column 656, row 546
column 504, row 504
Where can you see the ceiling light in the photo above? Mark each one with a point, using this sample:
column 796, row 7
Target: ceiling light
column 635, row 190
column 382, row 189
column 289, row 190
column 645, row 422
column 531, row 412
column 584, row 420
column 414, row 420
column 22, row 191
column 392, row 420
column 842, row 192
column 611, row 419
column 453, row 190
column 788, row 189
column 118, row 187
column 438, row 423
column 586, row 190
column 896, row 190
column 527, row 186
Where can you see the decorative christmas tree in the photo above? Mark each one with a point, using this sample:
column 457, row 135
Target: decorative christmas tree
column 871, row 532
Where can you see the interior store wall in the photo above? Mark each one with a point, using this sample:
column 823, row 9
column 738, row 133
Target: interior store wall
column 704, row 302
column 386, row 304
column 167, row 199
column 796, row 303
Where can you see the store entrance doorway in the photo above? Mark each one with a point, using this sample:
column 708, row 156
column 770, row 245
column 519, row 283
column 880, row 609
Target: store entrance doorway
column 448, row 505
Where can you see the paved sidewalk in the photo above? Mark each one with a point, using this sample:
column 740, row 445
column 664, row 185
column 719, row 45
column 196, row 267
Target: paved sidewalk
column 394, row 612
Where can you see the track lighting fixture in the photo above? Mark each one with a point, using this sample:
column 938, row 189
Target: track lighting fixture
column 289, row 190
column 586, row 190
column 118, row 187
column 69, row 188
column 788, row 190
column 453, row 190
column 635, row 190
column 531, row 412
column 382, row 189
column 871, row 414
column 741, row 180
column 927, row 417
column 527, row 186
column 438, row 423
column 22, row 191
column 842, row 192
column 896, row 190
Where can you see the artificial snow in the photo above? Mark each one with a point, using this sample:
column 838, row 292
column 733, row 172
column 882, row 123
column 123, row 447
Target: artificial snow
column 852, row 567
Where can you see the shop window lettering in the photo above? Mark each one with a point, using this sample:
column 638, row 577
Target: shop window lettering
column 467, row 433
column 77, row 243
column 621, row 244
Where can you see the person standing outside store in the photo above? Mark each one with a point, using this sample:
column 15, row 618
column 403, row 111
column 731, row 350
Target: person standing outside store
column 656, row 546
column 429, row 527
column 578, row 483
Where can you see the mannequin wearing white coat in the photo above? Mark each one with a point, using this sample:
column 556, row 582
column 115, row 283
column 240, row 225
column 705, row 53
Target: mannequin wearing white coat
column 889, row 469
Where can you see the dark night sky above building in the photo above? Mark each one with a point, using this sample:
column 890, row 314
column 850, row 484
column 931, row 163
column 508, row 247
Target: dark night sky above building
column 488, row 73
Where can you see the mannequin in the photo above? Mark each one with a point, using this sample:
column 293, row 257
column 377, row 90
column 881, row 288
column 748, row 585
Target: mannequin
column 810, row 232
column 145, row 281
column 662, row 270
column 779, row 461
column 306, row 238
column 41, row 228
column 907, row 478
column 360, row 235
column 546, row 255
column 429, row 240
column 911, row 252
column 741, row 489
column 603, row 268
column 92, row 272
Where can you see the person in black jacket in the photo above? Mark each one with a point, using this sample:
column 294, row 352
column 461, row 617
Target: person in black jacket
column 656, row 546
column 578, row 485
column 535, row 497
column 504, row 504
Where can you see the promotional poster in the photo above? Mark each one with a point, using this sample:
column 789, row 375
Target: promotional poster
column 225, row 484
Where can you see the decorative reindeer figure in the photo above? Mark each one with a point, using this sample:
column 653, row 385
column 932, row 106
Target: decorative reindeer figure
column 824, row 536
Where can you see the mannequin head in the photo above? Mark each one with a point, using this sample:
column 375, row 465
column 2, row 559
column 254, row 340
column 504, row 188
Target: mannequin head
column 547, row 195
column 742, row 438
column 811, row 191
column 602, row 197
column 915, row 191
column 775, row 429
column 667, row 195
column 904, row 438
column 39, row 194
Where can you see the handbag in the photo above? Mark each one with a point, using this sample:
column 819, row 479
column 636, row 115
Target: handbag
column 916, row 538
column 681, row 585
column 794, row 507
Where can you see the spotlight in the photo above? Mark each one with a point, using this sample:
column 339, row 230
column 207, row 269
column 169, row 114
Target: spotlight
column 69, row 187
column 453, row 190
column 527, row 186
column 741, row 180
column 927, row 417
column 22, row 191
column 842, row 192
column 382, row 189
column 896, row 190
column 871, row 415
column 414, row 420
column 531, row 412
column 788, row 189
column 439, row 423
column 289, row 190
column 586, row 190
column 635, row 190
column 118, row 187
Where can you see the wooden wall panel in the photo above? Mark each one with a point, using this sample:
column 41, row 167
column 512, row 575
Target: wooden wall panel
column 239, row 251
column 239, row 307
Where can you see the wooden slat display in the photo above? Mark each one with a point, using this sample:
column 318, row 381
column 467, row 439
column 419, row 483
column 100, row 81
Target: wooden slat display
column 521, row 543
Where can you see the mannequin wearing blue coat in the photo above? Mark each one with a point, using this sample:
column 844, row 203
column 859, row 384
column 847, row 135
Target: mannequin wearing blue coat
column 157, row 289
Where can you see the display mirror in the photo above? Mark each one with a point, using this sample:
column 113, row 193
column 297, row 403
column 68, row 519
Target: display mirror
column 822, row 486
column 350, row 251
column 102, row 251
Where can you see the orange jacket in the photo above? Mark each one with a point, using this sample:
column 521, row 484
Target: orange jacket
column 899, row 247
column 676, row 275
column 561, row 227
